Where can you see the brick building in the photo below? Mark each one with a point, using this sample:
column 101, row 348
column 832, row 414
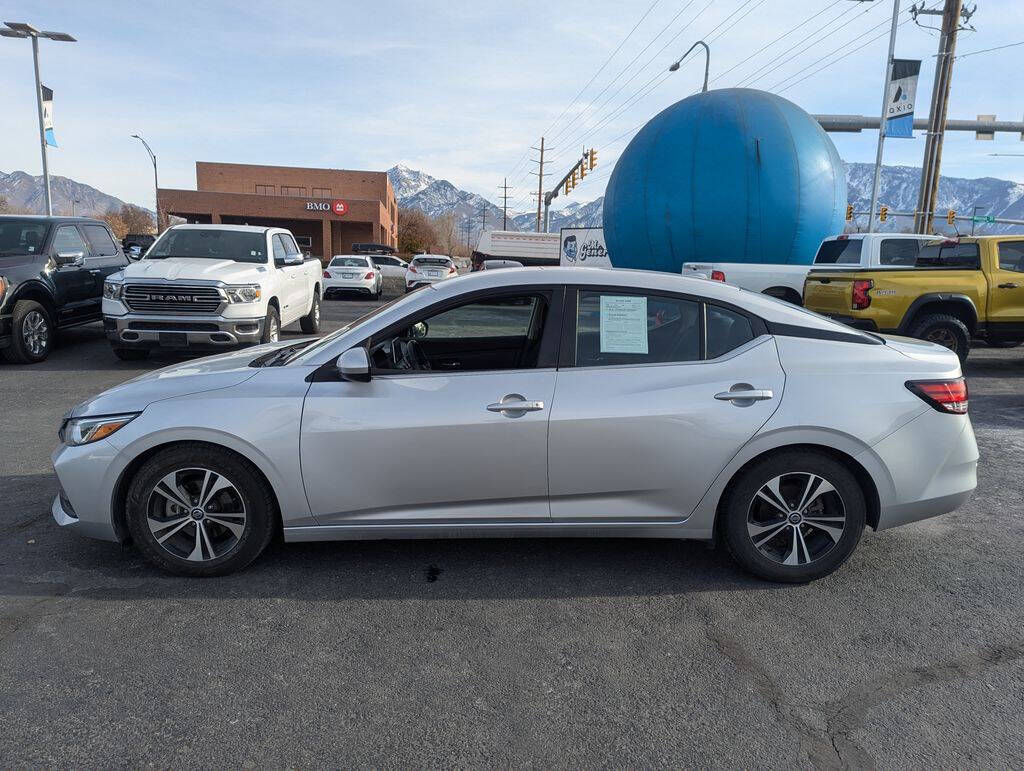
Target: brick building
column 328, row 210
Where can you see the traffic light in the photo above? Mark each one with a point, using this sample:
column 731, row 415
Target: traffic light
column 883, row 213
column 950, row 217
column 566, row 191
column 583, row 169
column 849, row 212
column 593, row 158
column 575, row 179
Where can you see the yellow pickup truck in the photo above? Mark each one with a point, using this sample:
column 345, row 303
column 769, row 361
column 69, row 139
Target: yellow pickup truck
column 958, row 289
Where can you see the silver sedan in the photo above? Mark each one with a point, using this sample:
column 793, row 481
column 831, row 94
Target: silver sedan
column 533, row 402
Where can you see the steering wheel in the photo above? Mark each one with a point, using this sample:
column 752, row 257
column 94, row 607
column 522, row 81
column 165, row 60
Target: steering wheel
column 408, row 354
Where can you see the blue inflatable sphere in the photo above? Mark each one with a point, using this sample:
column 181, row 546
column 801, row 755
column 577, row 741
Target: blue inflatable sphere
column 731, row 175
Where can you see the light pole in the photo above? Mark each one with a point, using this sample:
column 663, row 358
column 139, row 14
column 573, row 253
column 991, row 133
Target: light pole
column 21, row 29
column 156, row 184
column 707, row 61
column 73, row 204
column 876, row 181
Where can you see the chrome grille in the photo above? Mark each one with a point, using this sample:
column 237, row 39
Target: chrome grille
column 172, row 298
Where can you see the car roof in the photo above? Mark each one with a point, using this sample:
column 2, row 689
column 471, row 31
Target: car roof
column 48, row 218
column 436, row 256
column 241, row 228
column 768, row 308
column 354, row 256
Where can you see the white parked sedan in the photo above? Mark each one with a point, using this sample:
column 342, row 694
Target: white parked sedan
column 429, row 269
column 353, row 273
column 576, row 403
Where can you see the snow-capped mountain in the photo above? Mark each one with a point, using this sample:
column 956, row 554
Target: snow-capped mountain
column 25, row 192
column 900, row 184
column 408, row 182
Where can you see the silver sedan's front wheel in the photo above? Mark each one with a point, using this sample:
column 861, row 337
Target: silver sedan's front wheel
column 795, row 516
column 200, row 510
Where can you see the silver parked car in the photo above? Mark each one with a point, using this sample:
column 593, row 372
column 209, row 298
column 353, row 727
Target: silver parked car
column 570, row 403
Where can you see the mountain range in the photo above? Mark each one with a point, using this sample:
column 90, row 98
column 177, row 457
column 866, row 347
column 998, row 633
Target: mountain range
column 439, row 197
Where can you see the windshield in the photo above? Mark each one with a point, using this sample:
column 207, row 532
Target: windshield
column 212, row 244
column 349, row 262
column 310, row 350
column 22, row 236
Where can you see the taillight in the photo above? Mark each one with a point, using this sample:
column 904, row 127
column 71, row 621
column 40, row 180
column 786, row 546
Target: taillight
column 412, row 269
column 326, row 274
column 452, row 270
column 717, row 275
column 368, row 276
column 944, row 395
column 861, row 298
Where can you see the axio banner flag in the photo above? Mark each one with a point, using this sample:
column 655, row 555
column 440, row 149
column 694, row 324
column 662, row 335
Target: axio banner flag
column 583, row 247
column 899, row 104
column 48, row 115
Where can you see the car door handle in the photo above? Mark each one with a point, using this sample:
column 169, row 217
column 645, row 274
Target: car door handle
column 748, row 395
column 514, row 405
column 1010, row 285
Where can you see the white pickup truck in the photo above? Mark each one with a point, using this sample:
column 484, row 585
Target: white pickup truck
column 211, row 287
column 843, row 252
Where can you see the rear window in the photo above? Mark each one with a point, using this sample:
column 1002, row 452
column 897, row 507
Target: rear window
column 949, row 255
column 898, row 251
column 349, row 262
column 22, row 236
column 839, row 252
column 444, row 261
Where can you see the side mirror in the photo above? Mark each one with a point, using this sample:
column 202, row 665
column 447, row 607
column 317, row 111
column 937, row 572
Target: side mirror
column 74, row 259
column 354, row 365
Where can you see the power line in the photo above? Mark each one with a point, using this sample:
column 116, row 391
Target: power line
column 987, row 50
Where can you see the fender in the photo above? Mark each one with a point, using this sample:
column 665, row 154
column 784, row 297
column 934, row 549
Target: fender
column 945, row 297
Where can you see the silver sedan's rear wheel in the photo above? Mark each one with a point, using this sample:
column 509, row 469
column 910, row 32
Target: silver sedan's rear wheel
column 795, row 516
column 200, row 510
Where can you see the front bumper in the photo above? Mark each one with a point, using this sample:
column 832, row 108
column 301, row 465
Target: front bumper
column 87, row 476
column 193, row 332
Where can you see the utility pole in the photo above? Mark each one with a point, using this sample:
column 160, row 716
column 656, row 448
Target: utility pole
column 504, row 205
column 540, row 181
column 483, row 217
column 881, row 126
column 930, row 168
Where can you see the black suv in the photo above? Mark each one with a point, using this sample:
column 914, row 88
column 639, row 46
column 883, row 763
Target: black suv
column 51, row 276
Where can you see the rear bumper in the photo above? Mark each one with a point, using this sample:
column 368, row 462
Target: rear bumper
column 933, row 465
column 193, row 332
column 336, row 285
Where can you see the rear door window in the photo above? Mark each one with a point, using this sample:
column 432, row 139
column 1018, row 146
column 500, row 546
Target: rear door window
column 614, row 328
column 726, row 330
column 1011, row 256
column 839, row 252
column 952, row 255
column 100, row 241
column 898, row 251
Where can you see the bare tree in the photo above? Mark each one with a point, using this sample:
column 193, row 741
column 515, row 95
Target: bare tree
column 416, row 233
column 137, row 220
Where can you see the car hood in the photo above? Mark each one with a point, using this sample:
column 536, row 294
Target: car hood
column 175, row 268
column 188, row 377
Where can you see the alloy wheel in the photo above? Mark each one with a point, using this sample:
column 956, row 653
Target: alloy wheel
column 943, row 337
column 196, row 514
column 796, row 518
column 275, row 331
column 35, row 332
column 316, row 310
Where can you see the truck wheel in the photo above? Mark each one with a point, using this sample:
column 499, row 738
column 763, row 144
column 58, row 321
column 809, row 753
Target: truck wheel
column 310, row 323
column 947, row 331
column 131, row 354
column 271, row 326
column 199, row 510
column 31, row 333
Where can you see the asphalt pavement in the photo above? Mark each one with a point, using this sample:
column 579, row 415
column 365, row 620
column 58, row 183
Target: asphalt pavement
column 583, row 653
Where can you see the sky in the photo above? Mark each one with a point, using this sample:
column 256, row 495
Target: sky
column 461, row 90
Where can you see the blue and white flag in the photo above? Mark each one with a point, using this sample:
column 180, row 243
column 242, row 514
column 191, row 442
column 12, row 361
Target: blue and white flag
column 48, row 115
column 899, row 104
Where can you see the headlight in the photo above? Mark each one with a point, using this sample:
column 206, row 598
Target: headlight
column 112, row 290
column 3, row 287
column 247, row 293
column 76, row 431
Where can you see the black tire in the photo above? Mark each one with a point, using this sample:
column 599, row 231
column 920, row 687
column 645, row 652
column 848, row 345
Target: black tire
column 271, row 326
column 131, row 354
column 259, row 522
column 32, row 333
column 946, row 330
column 743, row 508
column 310, row 323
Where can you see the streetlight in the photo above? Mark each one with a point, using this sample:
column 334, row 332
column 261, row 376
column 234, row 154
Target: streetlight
column 707, row 61
column 21, row 29
column 73, row 204
column 156, row 184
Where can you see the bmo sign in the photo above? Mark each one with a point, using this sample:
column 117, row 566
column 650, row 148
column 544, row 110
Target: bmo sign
column 339, row 207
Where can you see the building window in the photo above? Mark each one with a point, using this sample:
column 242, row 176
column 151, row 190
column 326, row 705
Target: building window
column 321, row 192
column 264, row 190
column 297, row 191
column 305, row 242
